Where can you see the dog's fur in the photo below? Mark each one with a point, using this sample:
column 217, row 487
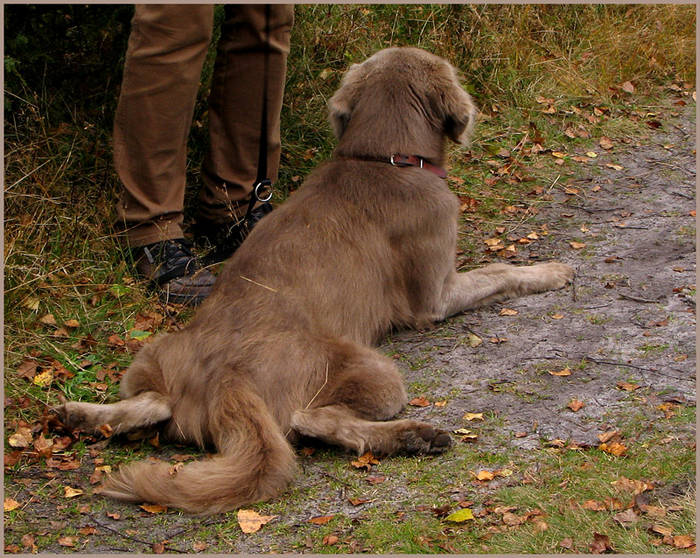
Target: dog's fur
column 281, row 348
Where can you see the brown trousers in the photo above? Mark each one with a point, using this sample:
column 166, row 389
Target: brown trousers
column 164, row 59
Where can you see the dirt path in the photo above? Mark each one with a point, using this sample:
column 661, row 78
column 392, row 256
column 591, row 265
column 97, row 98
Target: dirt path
column 628, row 318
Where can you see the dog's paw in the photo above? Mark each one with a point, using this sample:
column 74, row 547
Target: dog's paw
column 548, row 276
column 73, row 415
column 422, row 438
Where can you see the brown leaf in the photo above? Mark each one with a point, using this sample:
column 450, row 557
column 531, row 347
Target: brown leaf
column 628, row 87
column 564, row 372
column 567, row 543
column 43, row 446
column 251, row 521
column 575, row 405
column 600, row 544
column 627, row 386
column 607, row 436
column 419, row 402
column 330, row 540
column 199, row 546
column 577, row 245
column 661, row 530
column 22, row 438
column 593, row 505
column 27, row 369
column 508, row 312
column 484, row 475
column 48, row 319
column 358, row 501
column 28, row 542
column 375, row 479
column 632, row 486
column 116, row 515
column 626, row 518
column 71, row 323
column 683, row 541
column 158, row 548
column 321, row 519
column 67, row 541
column 87, row 531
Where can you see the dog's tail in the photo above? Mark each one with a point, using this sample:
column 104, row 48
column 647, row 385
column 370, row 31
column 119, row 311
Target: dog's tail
column 255, row 462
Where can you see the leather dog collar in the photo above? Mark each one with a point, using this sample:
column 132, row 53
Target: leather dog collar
column 401, row 160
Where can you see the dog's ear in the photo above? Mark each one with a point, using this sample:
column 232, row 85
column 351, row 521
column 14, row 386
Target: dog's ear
column 342, row 103
column 459, row 111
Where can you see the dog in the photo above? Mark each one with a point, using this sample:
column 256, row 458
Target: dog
column 282, row 347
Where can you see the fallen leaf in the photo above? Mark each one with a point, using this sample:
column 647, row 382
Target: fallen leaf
column 330, row 540
column 614, row 166
column 358, row 501
column 43, row 379
column 633, row 486
column 375, row 479
column 613, row 448
column 473, row 416
column 575, row 405
column 498, row 340
column 474, row 340
column 683, row 541
column 199, row 546
column 626, row 518
column 661, row 530
column 511, row 519
column 321, row 519
column 43, row 446
column 564, row 372
column 116, row 515
column 567, row 543
column 27, row 541
column 251, row 521
column 158, row 548
column 67, row 541
column 540, row 525
column 591, row 154
column 484, row 475
column 593, row 505
column 441, row 403
column 557, row 316
column 508, row 312
column 365, row 461
column 460, row 516
column 10, row 504
column 22, row 438
column 71, row 323
column 628, row 87
column 503, row 473
column 87, row 531
column 70, row 492
column 558, row 154
column 607, row 436
column 419, row 402
column 600, row 544
column 48, row 319
column 627, row 386
column 153, row 508
column 577, row 245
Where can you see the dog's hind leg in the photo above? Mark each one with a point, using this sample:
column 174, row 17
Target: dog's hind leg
column 365, row 390
column 142, row 410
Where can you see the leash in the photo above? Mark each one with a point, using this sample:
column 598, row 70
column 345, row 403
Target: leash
column 262, row 187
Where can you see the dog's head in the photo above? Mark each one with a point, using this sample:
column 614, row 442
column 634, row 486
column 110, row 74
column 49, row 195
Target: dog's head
column 403, row 86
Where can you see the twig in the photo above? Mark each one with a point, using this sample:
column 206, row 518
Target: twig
column 638, row 299
column 682, row 195
column 258, row 284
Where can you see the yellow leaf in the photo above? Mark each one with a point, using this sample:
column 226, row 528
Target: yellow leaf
column 591, row 154
column 484, row 476
column 43, row 379
column 31, row 303
column 251, row 521
column 564, row 372
column 508, row 312
column 492, row 241
column 22, row 438
column 473, row 416
column 614, row 167
column 10, row 504
column 440, row 403
column 533, row 236
column 474, row 340
column 70, row 492
column 558, row 154
column 153, row 508
column 465, row 514
column 503, row 473
column 557, row 316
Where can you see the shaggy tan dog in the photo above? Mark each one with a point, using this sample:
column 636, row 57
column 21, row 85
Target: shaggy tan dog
column 282, row 347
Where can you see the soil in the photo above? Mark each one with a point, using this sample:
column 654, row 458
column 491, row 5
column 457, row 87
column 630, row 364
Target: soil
column 629, row 317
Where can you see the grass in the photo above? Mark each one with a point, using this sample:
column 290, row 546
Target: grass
column 61, row 258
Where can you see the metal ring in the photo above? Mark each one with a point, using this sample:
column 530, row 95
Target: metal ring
column 266, row 188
